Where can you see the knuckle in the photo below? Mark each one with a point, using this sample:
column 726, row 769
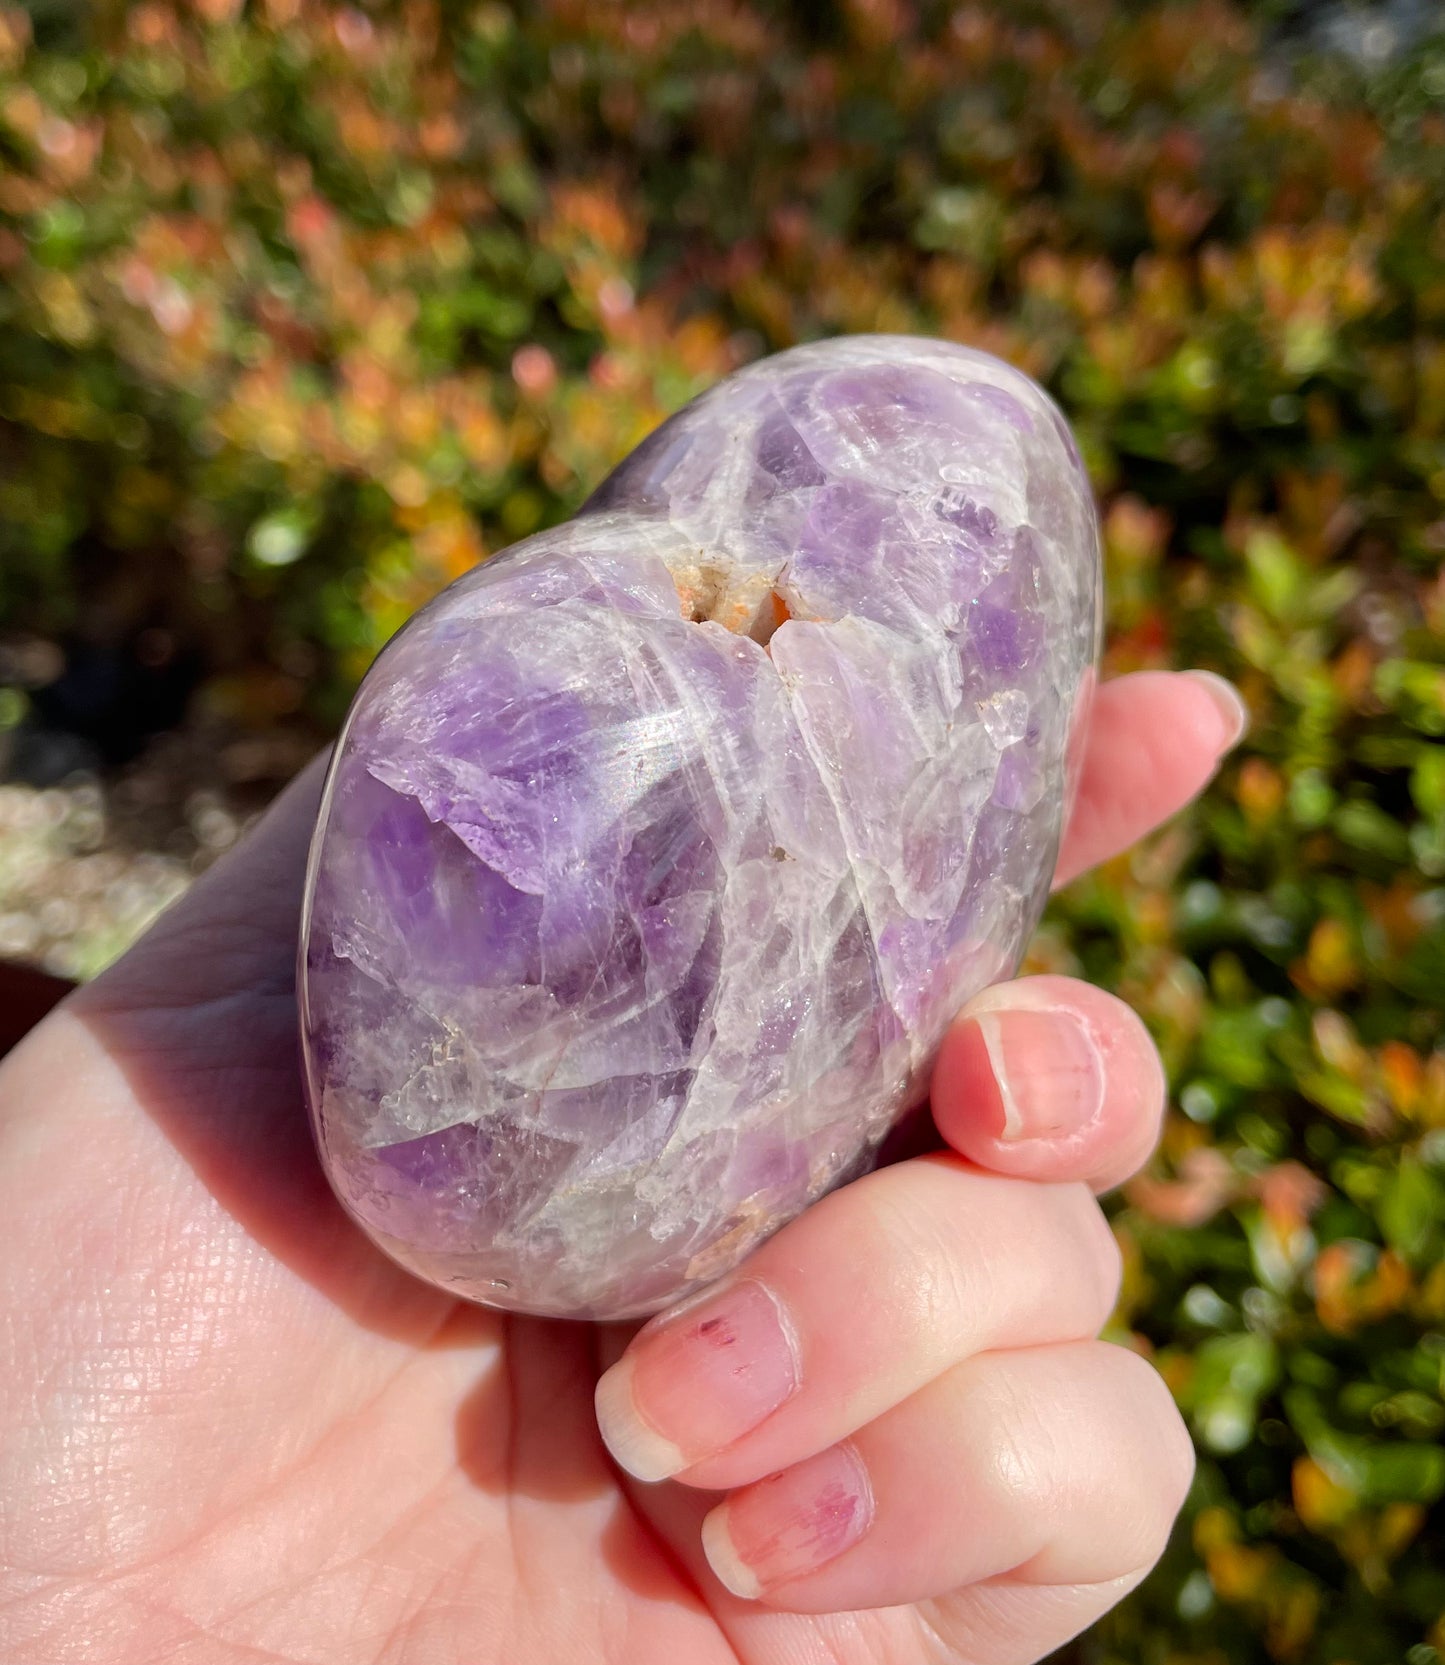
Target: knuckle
column 1167, row 1474
column 938, row 1282
column 1077, row 1267
column 1179, row 1465
column 1099, row 1259
column 1025, row 1467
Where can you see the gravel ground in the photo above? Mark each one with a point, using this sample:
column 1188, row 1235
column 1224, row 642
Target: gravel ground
column 87, row 864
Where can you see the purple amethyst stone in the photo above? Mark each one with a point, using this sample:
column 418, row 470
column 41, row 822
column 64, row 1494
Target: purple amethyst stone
column 658, row 852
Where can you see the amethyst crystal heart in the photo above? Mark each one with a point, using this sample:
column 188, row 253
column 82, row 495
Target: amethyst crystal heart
column 658, row 852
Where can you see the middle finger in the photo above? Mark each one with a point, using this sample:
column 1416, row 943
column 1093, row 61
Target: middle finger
column 871, row 1294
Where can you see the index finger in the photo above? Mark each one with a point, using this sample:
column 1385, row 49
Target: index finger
column 1155, row 739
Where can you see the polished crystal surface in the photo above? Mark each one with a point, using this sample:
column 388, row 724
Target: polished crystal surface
column 658, row 852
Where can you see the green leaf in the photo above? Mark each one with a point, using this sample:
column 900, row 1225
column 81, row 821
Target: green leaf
column 1276, row 574
column 1376, row 1472
column 1427, row 780
column 1411, row 1209
column 1232, row 1373
column 1369, row 828
column 276, row 540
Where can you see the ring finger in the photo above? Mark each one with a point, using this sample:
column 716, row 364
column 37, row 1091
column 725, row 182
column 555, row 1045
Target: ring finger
column 1054, row 1466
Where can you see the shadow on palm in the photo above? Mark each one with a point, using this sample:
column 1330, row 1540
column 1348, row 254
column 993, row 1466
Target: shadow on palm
column 203, row 1026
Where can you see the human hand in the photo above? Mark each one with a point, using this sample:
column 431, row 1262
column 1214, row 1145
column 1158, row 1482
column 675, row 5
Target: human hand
column 230, row 1429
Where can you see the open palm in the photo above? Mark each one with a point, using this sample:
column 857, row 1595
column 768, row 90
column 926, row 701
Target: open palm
column 231, row 1430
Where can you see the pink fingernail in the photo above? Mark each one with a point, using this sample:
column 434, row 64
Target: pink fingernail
column 1229, row 702
column 696, row 1383
column 1047, row 1068
column 787, row 1527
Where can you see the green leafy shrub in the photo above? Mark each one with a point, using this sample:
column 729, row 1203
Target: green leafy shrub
column 305, row 307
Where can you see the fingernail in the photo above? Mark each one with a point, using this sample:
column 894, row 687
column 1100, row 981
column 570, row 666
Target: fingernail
column 1233, row 712
column 1047, row 1067
column 695, row 1383
column 787, row 1527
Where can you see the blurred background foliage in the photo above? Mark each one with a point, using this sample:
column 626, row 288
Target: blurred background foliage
column 307, row 307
